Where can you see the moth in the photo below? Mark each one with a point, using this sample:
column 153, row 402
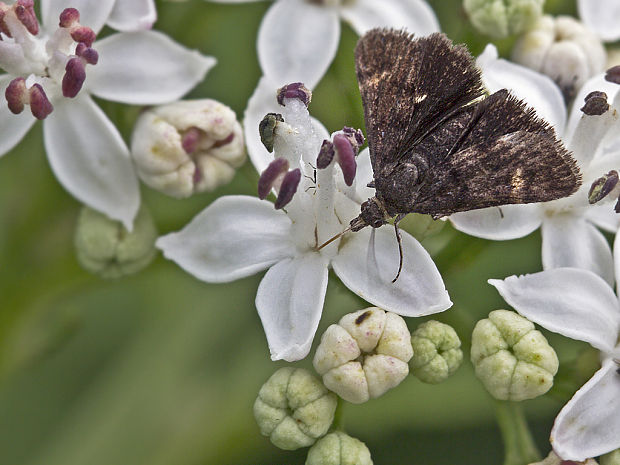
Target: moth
column 438, row 145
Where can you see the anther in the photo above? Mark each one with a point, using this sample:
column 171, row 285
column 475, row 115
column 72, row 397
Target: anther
column 89, row 55
column 69, row 17
column 16, row 95
column 24, row 10
column 272, row 177
column 613, row 74
column 74, row 77
column 326, row 155
column 295, row 90
column 40, row 106
column 595, row 103
column 267, row 129
column 345, row 156
column 288, row 188
column 602, row 186
column 190, row 139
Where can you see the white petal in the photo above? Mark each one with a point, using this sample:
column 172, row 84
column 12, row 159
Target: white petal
column 132, row 15
column 145, row 68
column 499, row 223
column 602, row 17
column 415, row 15
column 297, row 42
column 13, row 127
column 569, row 240
column 589, row 424
column 92, row 14
column 367, row 267
column 573, row 302
column 604, row 217
column 289, row 302
column 617, row 255
column 90, row 159
column 538, row 90
column 234, row 237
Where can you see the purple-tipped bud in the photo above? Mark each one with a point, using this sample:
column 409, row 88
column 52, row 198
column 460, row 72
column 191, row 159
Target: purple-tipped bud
column 326, row 155
column 602, row 186
column 83, row 34
column 89, row 55
column 288, row 188
column 613, row 74
column 190, row 139
column 295, row 90
column 16, row 95
column 272, row 176
column 227, row 140
column 69, row 17
column 24, row 10
column 40, row 106
column 595, row 103
column 74, row 77
column 345, row 156
column 267, row 129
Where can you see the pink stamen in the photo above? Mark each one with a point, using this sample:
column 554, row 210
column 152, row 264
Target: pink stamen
column 69, row 17
column 24, row 10
column 345, row 156
column 272, row 177
column 190, row 140
column 288, row 188
column 74, row 77
column 83, row 34
column 89, row 55
column 16, row 95
column 40, row 106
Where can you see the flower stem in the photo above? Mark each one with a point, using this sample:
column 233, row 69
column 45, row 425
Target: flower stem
column 519, row 445
column 338, row 424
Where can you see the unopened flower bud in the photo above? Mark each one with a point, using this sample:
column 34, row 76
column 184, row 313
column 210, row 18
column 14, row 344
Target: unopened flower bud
column 294, row 409
column 436, row 352
column 513, row 360
column 364, row 355
column 611, row 458
column 563, row 49
column 104, row 247
column 188, row 146
column 501, row 18
column 338, row 448
column 553, row 459
column 267, row 129
column 295, row 90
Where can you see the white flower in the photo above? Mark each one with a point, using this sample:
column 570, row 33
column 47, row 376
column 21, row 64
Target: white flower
column 569, row 226
column 238, row 236
column 578, row 304
column 602, row 17
column 55, row 69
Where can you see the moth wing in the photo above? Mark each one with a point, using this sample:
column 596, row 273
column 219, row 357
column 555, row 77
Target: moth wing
column 409, row 85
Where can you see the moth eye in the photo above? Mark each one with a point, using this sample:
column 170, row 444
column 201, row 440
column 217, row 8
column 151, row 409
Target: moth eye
column 377, row 223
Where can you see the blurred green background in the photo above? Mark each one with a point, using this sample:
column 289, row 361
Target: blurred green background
column 162, row 369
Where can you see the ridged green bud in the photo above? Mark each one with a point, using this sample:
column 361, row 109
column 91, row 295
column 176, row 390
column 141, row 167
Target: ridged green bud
column 513, row 360
column 501, row 18
column 104, row 247
column 338, row 448
column 294, row 409
column 612, row 458
column 436, row 352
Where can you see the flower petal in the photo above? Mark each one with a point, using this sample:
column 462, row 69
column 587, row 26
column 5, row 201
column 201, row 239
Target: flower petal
column 536, row 89
column 92, row 14
column 573, row 302
column 604, row 217
column 297, row 41
column 145, row 68
column 415, row 15
column 132, row 15
column 589, row 424
column 290, row 301
column 499, row 223
column 602, row 17
column 13, row 127
column 90, row 159
column 234, row 237
column 571, row 241
column 367, row 265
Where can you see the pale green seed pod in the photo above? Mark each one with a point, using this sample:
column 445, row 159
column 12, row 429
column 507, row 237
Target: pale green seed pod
column 364, row 355
column 513, row 360
column 501, row 18
column 436, row 352
column 612, row 458
column 338, row 448
column 294, row 409
column 104, row 247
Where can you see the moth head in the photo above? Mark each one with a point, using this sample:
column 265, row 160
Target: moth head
column 373, row 214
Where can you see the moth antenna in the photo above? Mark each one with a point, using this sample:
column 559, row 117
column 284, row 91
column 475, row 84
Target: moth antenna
column 329, row 241
column 400, row 246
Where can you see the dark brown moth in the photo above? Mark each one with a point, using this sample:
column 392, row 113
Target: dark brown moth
column 438, row 145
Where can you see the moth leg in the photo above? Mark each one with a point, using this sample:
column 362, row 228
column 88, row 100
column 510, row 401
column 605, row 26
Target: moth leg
column 399, row 239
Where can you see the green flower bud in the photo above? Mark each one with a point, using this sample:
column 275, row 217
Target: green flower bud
column 294, row 409
column 338, row 448
column 512, row 359
column 436, row 352
column 364, row 355
column 501, row 18
column 612, row 458
column 104, row 247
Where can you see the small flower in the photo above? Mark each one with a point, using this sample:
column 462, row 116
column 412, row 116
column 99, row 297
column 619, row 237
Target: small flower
column 577, row 304
column 364, row 355
column 436, row 352
column 512, row 359
column 569, row 226
column 499, row 18
column 338, row 448
column 52, row 70
column 188, row 146
column 563, row 49
column 104, row 247
column 294, row 409
column 612, row 458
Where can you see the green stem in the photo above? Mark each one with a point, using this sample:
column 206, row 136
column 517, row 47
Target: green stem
column 338, row 424
column 518, row 442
